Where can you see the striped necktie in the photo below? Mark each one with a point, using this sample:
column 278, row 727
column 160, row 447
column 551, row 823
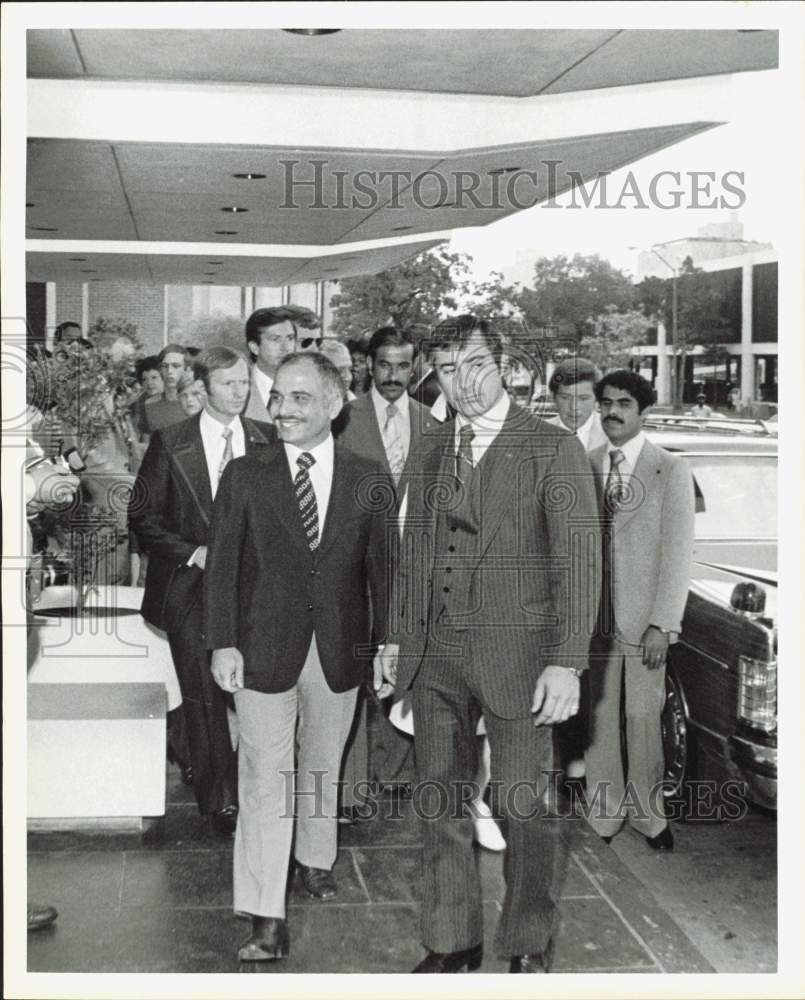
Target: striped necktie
column 393, row 443
column 226, row 458
column 614, row 489
column 306, row 499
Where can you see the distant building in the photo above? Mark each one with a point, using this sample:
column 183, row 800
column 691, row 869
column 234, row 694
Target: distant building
column 745, row 274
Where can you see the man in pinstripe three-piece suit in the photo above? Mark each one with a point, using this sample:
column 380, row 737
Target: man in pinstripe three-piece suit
column 492, row 613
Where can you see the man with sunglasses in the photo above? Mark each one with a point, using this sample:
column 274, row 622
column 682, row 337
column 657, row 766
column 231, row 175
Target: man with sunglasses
column 308, row 329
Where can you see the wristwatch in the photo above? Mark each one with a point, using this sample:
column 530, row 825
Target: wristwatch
column 665, row 631
column 576, row 671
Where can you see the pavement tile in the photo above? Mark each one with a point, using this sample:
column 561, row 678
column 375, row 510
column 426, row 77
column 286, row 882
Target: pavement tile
column 177, row 879
column 592, row 938
column 391, row 874
column 65, row 879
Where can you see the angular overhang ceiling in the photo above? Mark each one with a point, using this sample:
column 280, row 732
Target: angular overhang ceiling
column 135, row 138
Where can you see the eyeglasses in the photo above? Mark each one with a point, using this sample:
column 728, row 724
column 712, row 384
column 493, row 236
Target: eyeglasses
column 305, row 342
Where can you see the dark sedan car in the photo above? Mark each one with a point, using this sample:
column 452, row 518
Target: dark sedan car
column 720, row 718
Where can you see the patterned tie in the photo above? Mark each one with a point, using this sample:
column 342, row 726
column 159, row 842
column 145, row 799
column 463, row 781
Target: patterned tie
column 614, row 490
column 227, row 456
column 393, row 443
column 464, row 455
column 306, row 499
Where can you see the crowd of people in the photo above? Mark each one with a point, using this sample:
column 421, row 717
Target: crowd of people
column 382, row 577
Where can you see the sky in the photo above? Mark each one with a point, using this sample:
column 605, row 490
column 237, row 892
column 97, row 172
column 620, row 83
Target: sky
column 749, row 143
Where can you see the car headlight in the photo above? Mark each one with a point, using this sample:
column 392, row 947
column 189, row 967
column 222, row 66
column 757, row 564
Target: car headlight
column 757, row 693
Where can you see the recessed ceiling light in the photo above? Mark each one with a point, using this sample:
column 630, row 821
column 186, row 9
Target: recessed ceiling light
column 399, row 229
column 209, row 274
column 89, row 270
column 78, row 260
column 234, row 209
column 504, row 170
column 44, row 229
column 207, row 282
column 249, row 177
column 215, row 262
column 310, row 32
column 443, row 204
column 226, row 232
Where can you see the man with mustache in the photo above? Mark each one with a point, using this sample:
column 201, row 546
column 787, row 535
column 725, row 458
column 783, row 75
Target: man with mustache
column 385, row 425
column 646, row 500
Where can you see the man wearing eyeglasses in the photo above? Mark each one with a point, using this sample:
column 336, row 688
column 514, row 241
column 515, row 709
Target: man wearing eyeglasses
column 308, row 329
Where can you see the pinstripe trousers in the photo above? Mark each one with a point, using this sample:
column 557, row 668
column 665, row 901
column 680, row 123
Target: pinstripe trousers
column 446, row 711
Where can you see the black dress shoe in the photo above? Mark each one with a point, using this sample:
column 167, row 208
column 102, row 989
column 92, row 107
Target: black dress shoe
column 318, row 883
column 40, row 916
column 536, row 962
column 225, row 820
column 269, row 940
column 664, row 841
column 452, row 961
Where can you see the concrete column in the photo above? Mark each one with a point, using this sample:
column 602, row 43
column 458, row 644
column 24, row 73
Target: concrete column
column 663, row 372
column 747, row 358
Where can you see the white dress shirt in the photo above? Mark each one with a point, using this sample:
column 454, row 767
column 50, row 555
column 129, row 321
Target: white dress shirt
column 214, row 442
column 212, row 437
column 402, row 420
column 321, row 472
column 631, row 452
column 486, row 426
column 263, row 384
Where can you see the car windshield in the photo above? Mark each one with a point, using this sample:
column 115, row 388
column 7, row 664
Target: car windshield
column 740, row 495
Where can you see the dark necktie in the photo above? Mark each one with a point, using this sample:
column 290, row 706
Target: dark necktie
column 306, row 499
column 613, row 497
column 464, row 460
column 226, row 458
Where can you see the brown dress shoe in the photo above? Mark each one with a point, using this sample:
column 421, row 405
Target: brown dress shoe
column 318, row 883
column 40, row 916
column 268, row 941
column 452, row 961
column 536, row 962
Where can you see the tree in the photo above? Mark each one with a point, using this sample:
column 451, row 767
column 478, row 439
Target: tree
column 569, row 294
column 414, row 294
column 615, row 334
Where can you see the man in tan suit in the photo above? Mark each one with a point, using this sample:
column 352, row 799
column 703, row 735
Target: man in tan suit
column 646, row 499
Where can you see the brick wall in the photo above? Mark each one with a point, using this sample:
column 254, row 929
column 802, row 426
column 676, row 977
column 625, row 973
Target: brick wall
column 140, row 304
column 68, row 302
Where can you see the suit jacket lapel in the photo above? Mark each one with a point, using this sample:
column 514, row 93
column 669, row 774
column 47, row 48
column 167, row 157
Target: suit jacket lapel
column 280, row 495
column 644, row 474
column 341, row 501
column 191, row 464
column 255, row 438
column 499, row 477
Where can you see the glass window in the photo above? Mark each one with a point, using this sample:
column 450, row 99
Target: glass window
column 740, row 495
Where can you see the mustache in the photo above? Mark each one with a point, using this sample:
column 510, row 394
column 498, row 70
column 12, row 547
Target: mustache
column 399, row 385
column 614, row 420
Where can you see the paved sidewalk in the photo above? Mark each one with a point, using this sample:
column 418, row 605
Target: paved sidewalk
column 129, row 906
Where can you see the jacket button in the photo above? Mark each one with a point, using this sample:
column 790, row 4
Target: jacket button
column 310, row 607
column 451, row 548
column 448, row 570
column 446, row 590
column 454, row 528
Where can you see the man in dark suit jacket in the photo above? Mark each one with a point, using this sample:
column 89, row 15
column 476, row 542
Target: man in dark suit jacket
column 492, row 611
column 298, row 541
column 171, row 509
column 386, row 425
